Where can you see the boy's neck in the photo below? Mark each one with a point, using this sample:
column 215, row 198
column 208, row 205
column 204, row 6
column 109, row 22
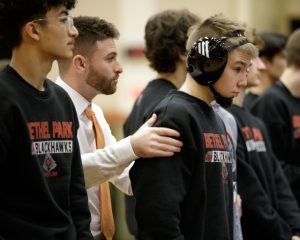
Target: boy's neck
column 31, row 66
column 194, row 89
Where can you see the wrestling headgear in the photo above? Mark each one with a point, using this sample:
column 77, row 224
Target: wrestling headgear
column 207, row 60
column 208, row 57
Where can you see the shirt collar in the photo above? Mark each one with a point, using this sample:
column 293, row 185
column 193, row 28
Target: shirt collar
column 79, row 101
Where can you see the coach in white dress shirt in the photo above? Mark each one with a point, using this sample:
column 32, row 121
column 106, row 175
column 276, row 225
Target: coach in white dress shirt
column 93, row 70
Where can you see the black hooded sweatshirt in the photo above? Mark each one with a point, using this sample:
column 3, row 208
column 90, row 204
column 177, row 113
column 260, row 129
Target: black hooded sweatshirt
column 43, row 195
column 270, row 210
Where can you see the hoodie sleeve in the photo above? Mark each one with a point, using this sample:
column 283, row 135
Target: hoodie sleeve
column 78, row 198
column 160, row 186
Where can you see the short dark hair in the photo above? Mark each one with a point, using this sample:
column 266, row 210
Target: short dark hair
column 165, row 38
column 15, row 13
column 273, row 43
column 293, row 49
column 91, row 30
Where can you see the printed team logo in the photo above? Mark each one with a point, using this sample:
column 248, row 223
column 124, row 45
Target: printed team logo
column 297, row 133
column 296, row 126
column 208, row 156
column 225, row 173
column 49, row 165
column 218, row 157
column 254, row 139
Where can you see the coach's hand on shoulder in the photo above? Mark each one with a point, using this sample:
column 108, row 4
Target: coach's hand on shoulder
column 150, row 141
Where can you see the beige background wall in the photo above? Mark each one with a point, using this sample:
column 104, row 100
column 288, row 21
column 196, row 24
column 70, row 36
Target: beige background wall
column 130, row 16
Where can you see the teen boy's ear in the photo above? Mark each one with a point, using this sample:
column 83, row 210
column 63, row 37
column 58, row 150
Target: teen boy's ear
column 31, row 30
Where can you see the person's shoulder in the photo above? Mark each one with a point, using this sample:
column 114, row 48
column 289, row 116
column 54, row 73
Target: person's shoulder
column 235, row 109
column 273, row 97
column 5, row 76
column 240, row 114
column 223, row 112
column 7, row 86
column 274, row 92
column 56, row 88
column 249, row 99
column 59, row 93
column 174, row 102
column 154, row 92
column 179, row 107
column 53, row 85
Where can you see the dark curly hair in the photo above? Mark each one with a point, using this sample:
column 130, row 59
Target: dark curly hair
column 165, row 38
column 14, row 14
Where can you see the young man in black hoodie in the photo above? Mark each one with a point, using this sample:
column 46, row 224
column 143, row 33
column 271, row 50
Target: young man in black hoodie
column 189, row 196
column 42, row 186
column 165, row 39
column 279, row 108
column 270, row 210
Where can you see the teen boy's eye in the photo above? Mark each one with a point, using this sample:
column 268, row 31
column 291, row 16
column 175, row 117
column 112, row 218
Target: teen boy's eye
column 63, row 18
column 238, row 69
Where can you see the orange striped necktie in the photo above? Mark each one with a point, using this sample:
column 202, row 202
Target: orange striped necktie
column 106, row 216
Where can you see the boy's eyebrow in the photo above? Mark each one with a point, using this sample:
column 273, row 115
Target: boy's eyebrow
column 63, row 12
column 242, row 63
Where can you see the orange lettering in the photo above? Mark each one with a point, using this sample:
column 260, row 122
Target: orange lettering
column 62, row 130
column 225, row 140
column 38, row 130
column 67, row 129
column 247, row 132
column 56, row 129
column 257, row 134
column 208, row 140
column 296, row 121
column 218, row 142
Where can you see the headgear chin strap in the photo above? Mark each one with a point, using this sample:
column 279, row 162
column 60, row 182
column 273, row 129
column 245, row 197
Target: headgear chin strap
column 223, row 101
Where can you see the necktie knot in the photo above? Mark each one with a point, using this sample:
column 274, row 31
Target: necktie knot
column 89, row 112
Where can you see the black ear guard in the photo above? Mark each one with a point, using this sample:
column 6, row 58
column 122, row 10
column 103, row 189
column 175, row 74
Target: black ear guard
column 207, row 58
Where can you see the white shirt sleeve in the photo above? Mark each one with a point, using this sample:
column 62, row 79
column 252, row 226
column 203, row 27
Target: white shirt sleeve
column 122, row 181
column 102, row 165
column 107, row 163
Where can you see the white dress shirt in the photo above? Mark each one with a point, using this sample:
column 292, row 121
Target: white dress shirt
column 110, row 163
